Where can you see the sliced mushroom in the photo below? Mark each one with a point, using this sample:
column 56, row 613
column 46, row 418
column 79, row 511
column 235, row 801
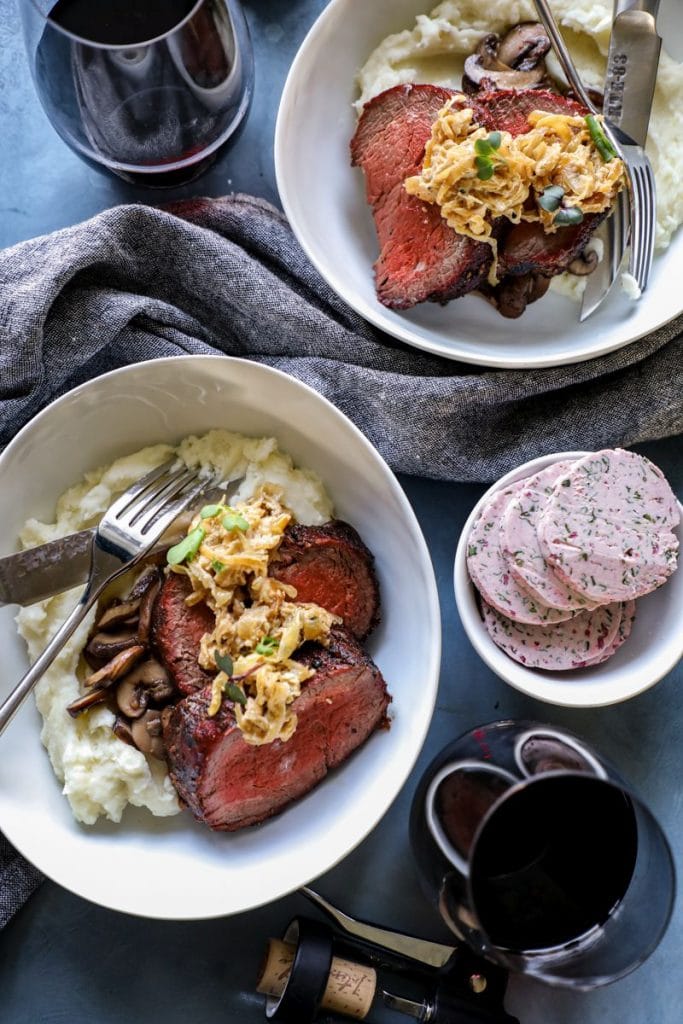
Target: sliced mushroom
column 116, row 614
column 148, row 734
column 97, row 696
column 146, row 609
column 584, row 264
column 477, row 74
column 524, row 46
column 145, row 580
column 514, row 294
column 516, row 62
column 119, row 665
column 122, row 729
column 154, row 677
column 132, row 698
column 104, row 646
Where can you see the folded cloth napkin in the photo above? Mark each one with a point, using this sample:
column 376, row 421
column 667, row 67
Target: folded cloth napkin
column 228, row 276
column 18, row 879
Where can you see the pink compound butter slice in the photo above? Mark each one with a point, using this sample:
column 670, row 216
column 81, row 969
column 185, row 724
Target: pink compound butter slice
column 607, row 528
column 489, row 570
column 558, row 647
column 521, row 548
column 628, row 617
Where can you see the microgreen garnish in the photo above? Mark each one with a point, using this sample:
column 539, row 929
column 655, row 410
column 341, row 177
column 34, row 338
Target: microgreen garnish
column 209, row 511
column 551, row 198
column 267, row 646
column 187, row 548
column 600, row 140
column 235, row 692
column 485, row 168
column 568, row 215
column 484, row 148
column 223, row 662
column 234, row 521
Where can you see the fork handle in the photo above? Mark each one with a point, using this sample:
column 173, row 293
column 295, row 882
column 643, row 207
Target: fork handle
column 105, row 568
column 562, row 53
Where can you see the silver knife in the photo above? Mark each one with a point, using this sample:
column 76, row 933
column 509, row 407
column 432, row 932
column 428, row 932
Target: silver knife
column 632, row 63
column 49, row 569
column 59, row 565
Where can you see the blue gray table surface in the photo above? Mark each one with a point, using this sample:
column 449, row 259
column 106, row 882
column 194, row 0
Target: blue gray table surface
column 65, row 960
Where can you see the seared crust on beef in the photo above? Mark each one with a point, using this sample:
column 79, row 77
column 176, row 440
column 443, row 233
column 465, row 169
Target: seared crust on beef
column 421, row 257
column 177, row 631
column 229, row 784
column 330, row 565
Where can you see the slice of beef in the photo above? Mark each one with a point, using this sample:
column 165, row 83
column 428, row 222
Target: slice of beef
column 177, row 631
column 330, row 565
column 421, row 257
column 229, row 784
column 508, row 109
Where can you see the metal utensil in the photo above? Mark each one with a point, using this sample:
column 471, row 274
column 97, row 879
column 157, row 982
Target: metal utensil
column 632, row 63
column 641, row 192
column 126, row 533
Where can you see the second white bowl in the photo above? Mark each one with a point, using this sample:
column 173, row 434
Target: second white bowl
column 653, row 649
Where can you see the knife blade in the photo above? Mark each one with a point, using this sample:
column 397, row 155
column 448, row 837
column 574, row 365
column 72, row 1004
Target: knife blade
column 48, row 569
column 632, row 63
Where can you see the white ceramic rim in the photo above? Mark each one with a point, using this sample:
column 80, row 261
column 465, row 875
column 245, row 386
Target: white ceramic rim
column 374, row 313
column 430, row 679
column 533, row 682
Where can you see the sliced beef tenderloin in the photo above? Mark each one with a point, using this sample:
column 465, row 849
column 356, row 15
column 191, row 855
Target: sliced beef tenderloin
column 177, row 631
column 508, row 109
column 229, row 784
column 421, row 257
column 330, row 565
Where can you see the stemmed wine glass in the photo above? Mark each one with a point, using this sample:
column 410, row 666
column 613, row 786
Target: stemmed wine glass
column 150, row 91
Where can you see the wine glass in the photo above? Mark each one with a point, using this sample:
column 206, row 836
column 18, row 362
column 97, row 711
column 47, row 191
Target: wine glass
column 151, row 91
column 540, row 856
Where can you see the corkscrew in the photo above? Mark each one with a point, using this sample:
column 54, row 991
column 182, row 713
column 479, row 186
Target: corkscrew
column 348, row 968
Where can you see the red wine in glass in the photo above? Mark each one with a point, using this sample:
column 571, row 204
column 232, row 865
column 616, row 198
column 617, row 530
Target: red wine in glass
column 151, row 91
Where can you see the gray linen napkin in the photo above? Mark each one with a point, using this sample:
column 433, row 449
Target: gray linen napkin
column 227, row 276
column 18, row 879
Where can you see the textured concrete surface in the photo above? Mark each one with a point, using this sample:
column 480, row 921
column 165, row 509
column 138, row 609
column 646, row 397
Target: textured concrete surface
column 65, row 960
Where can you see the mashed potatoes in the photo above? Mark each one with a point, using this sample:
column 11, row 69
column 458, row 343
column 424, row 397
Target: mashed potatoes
column 100, row 774
column 435, row 49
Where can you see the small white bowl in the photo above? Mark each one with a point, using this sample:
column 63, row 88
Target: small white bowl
column 653, row 649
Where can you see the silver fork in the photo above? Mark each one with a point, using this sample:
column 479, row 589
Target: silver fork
column 641, row 180
column 127, row 532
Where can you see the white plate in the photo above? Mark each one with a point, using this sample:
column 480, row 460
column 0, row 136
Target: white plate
column 173, row 867
column 323, row 198
column 654, row 647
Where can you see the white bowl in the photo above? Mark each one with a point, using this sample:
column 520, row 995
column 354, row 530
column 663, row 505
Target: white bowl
column 173, row 867
column 324, row 200
column 653, row 649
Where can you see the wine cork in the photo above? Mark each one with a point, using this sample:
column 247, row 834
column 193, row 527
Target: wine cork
column 350, row 987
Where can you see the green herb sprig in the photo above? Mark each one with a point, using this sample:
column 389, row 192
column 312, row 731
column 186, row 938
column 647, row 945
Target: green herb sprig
column 485, row 150
column 599, row 139
column 187, row 548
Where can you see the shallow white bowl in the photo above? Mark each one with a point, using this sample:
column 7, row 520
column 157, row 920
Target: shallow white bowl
column 173, row 867
column 324, row 199
column 653, row 649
